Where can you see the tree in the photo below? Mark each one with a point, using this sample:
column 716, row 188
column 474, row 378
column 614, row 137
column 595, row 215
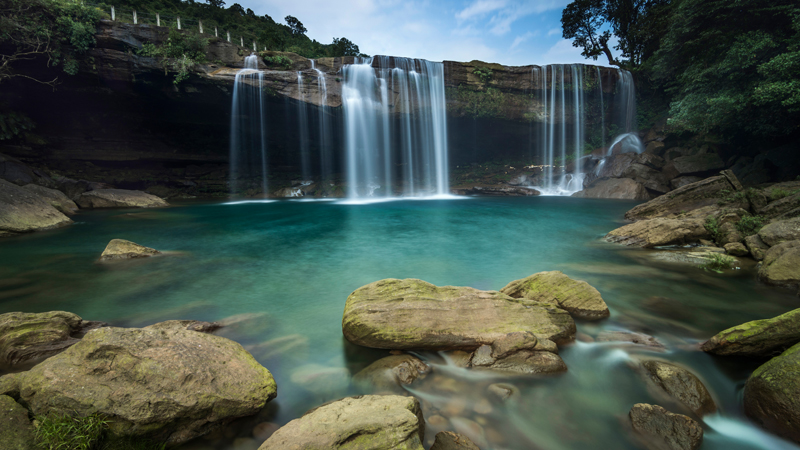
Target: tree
column 297, row 27
column 344, row 47
column 582, row 21
column 216, row 3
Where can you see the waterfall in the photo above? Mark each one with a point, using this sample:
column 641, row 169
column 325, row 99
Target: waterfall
column 628, row 141
column 248, row 143
column 326, row 165
column 395, row 127
column 302, row 118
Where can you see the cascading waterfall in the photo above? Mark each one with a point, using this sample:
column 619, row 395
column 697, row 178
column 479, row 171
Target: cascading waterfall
column 326, row 165
column 395, row 127
column 302, row 117
column 248, row 143
column 628, row 141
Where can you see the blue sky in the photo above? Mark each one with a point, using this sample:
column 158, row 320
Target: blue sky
column 509, row 32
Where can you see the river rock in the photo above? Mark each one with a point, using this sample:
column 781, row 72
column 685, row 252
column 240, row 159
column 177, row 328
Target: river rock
column 390, row 372
column 681, row 385
column 22, row 211
column 772, row 394
column 447, row 440
column 28, row 337
column 683, row 181
column 364, row 422
column 167, row 385
column 780, row 231
column 629, row 336
column 522, row 362
column 786, row 207
column 756, row 247
column 122, row 249
column 758, row 338
column 16, row 430
column 619, row 188
column 119, row 198
column 578, row 298
column 661, row 429
column 503, row 391
column 413, row 314
column 687, row 198
column 498, row 191
column 55, row 197
column 698, row 164
column 781, row 265
column 659, row 232
column 736, row 249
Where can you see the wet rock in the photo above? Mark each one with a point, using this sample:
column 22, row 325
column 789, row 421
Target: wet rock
column 22, row 211
column 447, row 440
column 370, row 421
column 660, row 429
column 659, row 232
column 167, row 385
column 683, row 181
column 687, row 198
column 191, row 325
column 781, row 265
column 758, row 338
column 698, row 164
column 681, row 385
column 503, row 391
column 57, row 199
column 772, row 394
column 736, row 249
column 786, row 207
column 780, row 231
column 122, row 249
column 390, row 372
column 321, row 380
column 578, row 298
column 29, row 337
column 629, row 336
column 527, row 362
column 756, row 247
column 414, row 314
column 619, row 188
column 119, row 198
column 16, row 430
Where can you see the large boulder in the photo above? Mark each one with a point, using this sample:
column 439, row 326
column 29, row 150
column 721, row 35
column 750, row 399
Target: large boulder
column 756, row 247
column 578, row 298
column 122, row 249
column 659, row 232
column 687, row 198
column 759, row 338
column 17, row 172
column 660, row 429
column 391, row 372
column 780, row 231
column 413, row 314
column 365, row 422
column 781, row 265
column 56, row 198
column 772, row 394
column 786, row 207
column 29, row 337
column 119, row 198
column 22, row 211
column 681, row 385
column 698, row 164
column 169, row 385
column 619, row 188
column 447, row 440
column 16, row 431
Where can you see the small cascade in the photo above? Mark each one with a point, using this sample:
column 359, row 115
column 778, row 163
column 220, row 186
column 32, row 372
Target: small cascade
column 326, row 153
column 248, row 143
column 302, row 118
column 395, row 127
column 629, row 140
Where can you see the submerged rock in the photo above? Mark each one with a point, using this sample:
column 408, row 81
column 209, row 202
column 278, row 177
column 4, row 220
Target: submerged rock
column 687, row 198
column 364, row 422
column 781, row 265
column 392, row 371
column 681, row 385
column 22, row 211
column 780, row 231
column 16, row 430
column 759, row 338
column 119, row 198
column 578, row 298
column 772, row 394
column 659, row 232
column 660, row 429
column 619, row 188
column 530, row 362
column 447, row 440
column 56, row 198
column 414, row 314
column 629, row 336
column 168, row 385
column 122, row 249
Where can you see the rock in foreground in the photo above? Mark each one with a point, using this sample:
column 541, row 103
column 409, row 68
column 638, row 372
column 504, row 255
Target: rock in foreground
column 22, row 211
column 122, row 249
column 447, row 440
column 661, row 429
column 681, row 385
column 392, row 371
column 119, row 198
column 772, row 394
column 167, row 385
column 619, row 188
column 659, row 232
column 365, row 422
column 576, row 297
column 780, row 231
column 758, row 338
column 781, row 265
column 16, row 431
column 414, row 314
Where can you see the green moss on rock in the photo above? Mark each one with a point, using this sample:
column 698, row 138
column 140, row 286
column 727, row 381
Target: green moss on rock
column 578, row 298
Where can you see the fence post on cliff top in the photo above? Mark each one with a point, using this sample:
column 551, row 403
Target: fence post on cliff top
column 254, row 46
column 241, row 39
column 158, row 19
column 215, row 32
column 113, row 14
column 200, row 22
column 229, row 35
column 179, row 23
column 135, row 19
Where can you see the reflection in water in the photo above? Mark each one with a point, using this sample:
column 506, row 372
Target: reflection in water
column 279, row 273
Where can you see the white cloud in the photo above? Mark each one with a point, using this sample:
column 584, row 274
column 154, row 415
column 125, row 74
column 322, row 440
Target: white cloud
column 564, row 53
column 521, row 39
column 554, row 32
column 480, row 8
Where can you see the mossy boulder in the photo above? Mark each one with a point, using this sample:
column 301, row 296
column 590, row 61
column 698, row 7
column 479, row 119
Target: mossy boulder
column 781, row 265
column 758, row 338
column 169, row 385
column 578, row 298
column 772, row 394
column 119, row 198
column 22, row 211
column 447, row 440
column 660, row 232
column 659, row 429
column 681, row 385
column 692, row 196
column 413, row 314
column 16, row 431
column 122, row 249
column 355, row 423
column 780, row 231
column 56, row 198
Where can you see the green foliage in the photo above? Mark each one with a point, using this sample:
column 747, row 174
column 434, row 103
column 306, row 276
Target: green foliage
column 180, row 53
column 716, row 262
column 57, row 432
column 712, row 225
column 278, row 61
column 484, row 73
column 14, row 124
column 490, row 102
column 750, row 225
column 344, row 47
